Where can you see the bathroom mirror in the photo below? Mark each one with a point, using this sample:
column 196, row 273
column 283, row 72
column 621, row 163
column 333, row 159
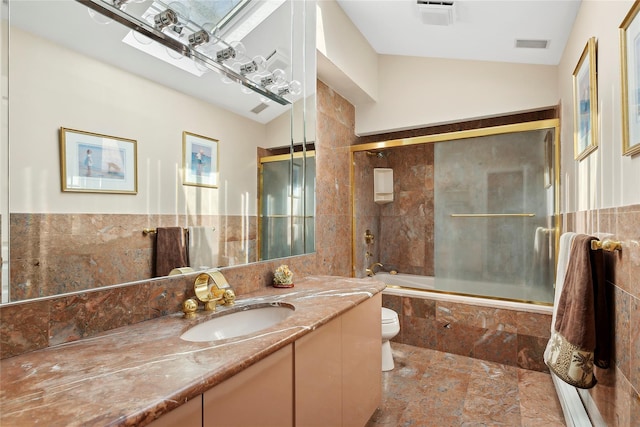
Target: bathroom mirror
column 70, row 67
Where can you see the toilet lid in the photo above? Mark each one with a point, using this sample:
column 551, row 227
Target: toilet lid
column 389, row 316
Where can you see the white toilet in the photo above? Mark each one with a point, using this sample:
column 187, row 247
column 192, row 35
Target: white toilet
column 390, row 328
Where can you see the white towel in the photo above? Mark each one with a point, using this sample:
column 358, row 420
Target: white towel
column 203, row 249
column 566, row 240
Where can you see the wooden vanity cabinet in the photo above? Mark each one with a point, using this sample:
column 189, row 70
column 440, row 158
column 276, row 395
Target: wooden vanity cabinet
column 338, row 374
column 329, row 377
column 186, row 415
column 261, row 395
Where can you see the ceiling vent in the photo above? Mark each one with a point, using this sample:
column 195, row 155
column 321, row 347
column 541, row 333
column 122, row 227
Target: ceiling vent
column 259, row 108
column 437, row 12
column 532, row 44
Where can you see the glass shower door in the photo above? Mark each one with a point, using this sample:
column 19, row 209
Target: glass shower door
column 494, row 216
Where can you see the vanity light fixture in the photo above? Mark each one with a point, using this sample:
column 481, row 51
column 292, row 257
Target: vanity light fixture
column 119, row 3
column 171, row 29
column 292, row 88
column 274, row 78
column 199, row 38
column 235, row 49
column 163, row 19
column 255, row 65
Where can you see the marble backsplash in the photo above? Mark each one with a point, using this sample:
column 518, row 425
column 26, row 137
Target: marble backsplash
column 60, row 253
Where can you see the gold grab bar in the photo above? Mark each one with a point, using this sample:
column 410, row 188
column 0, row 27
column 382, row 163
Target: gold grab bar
column 489, row 215
column 606, row 245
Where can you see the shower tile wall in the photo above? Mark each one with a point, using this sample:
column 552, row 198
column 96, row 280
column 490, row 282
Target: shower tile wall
column 403, row 229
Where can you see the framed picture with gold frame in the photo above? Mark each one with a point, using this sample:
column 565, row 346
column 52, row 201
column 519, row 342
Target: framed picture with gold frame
column 95, row 163
column 199, row 160
column 630, row 81
column 585, row 103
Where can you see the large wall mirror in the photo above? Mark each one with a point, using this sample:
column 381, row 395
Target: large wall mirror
column 225, row 82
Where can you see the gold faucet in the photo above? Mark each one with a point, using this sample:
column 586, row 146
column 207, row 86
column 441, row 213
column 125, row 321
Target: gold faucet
column 371, row 270
column 209, row 292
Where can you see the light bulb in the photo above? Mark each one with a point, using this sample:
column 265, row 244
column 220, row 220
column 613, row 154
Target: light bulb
column 292, row 88
column 233, row 51
column 141, row 38
column 274, row 78
column 253, row 66
column 165, row 18
column 98, row 17
column 199, row 38
column 295, row 87
column 183, row 13
column 174, row 54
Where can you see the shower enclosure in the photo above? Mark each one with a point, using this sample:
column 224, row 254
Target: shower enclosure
column 475, row 209
column 287, row 205
column 494, row 215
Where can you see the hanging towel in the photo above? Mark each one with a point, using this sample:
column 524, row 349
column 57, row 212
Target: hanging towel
column 171, row 250
column 541, row 271
column 203, row 251
column 580, row 331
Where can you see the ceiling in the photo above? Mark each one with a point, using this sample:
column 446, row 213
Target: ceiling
column 484, row 30
column 61, row 21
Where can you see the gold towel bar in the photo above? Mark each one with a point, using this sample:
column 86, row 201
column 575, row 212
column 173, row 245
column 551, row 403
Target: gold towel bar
column 153, row 230
column 488, row 215
column 607, row 245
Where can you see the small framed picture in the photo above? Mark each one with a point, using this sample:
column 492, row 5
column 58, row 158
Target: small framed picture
column 630, row 77
column 95, row 163
column 199, row 160
column 585, row 102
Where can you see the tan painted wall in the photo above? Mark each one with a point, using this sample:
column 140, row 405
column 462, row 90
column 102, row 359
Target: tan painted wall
column 52, row 87
column 605, row 178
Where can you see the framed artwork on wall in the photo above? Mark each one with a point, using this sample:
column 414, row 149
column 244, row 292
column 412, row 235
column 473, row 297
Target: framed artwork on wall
column 95, row 163
column 585, row 103
column 199, row 160
column 630, row 81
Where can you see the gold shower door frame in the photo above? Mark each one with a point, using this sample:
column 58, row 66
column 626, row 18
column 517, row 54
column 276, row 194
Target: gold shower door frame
column 466, row 134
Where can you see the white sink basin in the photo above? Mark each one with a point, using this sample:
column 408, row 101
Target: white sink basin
column 239, row 323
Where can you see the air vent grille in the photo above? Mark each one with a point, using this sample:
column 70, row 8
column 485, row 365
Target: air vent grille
column 532, row 44
column 259, row 108
column 437, row 12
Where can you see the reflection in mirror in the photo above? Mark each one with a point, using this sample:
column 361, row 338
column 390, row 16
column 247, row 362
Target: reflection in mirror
column 287, row 205
column 70, row 67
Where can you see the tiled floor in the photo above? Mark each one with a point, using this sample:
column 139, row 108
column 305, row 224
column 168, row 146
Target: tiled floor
column 431, row 388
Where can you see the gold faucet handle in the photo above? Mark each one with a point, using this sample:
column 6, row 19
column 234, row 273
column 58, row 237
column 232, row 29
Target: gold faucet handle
column 229, row 297
column 189, row 308
column 215, row 296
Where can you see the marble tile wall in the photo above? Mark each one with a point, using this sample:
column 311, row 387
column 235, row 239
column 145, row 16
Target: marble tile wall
column 335, row 133
column 60, row 253
column 617, row 394
column 403, row 229
column 512, row 337
column 34, row 324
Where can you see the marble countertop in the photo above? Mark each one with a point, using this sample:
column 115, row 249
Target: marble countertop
column 132, row 375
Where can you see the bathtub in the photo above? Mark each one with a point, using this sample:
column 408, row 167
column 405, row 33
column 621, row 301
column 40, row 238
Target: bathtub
column 403, row 284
